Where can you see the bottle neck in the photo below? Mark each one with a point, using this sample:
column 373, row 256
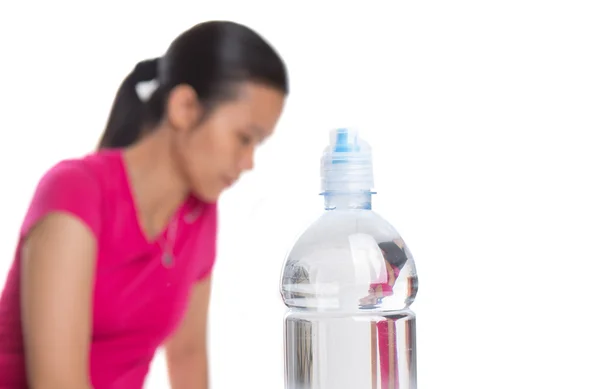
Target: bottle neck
column 347, row 200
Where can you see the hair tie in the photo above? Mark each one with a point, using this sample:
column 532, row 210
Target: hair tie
column 144, row 76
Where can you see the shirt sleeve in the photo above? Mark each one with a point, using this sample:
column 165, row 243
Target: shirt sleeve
column 68, row 187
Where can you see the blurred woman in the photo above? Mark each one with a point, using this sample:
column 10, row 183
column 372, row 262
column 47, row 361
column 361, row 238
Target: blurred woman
column 116, row 250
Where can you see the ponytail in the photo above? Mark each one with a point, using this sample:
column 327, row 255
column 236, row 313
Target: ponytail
column 129, row 113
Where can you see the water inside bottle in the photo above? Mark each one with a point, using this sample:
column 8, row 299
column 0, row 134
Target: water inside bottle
column 362, row 351
column 349, row 334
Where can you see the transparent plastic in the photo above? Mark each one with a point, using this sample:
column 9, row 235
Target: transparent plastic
column 349, row 282
column 346, row 164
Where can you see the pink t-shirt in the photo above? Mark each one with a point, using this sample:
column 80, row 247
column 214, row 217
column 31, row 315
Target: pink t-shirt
column 137, row 301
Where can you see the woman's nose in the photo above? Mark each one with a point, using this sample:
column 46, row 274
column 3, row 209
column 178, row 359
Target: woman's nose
column 247, row 160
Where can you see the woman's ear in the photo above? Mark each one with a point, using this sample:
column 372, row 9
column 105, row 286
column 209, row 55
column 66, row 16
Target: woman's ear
column 183, row 110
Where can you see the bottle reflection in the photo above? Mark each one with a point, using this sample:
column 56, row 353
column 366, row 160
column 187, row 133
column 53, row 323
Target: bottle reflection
column 384, row 347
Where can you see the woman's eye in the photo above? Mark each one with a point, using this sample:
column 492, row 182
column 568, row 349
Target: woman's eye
column 245, row 139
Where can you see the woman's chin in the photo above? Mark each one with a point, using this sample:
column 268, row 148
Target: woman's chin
column 208, row 196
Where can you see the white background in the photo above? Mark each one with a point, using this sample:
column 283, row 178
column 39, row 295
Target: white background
column 484, row 117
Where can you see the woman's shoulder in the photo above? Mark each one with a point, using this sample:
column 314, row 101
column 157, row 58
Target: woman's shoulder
column 87, row 167
column 75, row 185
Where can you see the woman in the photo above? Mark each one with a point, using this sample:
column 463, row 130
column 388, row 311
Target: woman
column 116, row 250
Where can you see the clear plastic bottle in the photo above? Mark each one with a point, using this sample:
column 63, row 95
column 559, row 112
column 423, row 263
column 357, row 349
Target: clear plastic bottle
column 348, row 283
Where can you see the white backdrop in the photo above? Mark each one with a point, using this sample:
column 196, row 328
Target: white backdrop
column 484, row 117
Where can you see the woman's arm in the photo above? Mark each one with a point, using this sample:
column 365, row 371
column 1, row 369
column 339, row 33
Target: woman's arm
column 186, row 349
column 58, row 258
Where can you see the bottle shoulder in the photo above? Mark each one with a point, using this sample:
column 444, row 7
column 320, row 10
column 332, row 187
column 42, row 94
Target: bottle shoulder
column 349, row 259
column 337, row 224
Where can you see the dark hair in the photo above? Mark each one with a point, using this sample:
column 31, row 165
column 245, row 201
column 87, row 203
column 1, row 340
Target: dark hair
column 211, row 57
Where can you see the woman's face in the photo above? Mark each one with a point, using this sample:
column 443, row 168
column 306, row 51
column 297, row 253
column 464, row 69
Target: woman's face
column 212, row 155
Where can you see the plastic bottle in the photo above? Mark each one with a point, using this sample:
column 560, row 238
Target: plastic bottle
column 348, row 283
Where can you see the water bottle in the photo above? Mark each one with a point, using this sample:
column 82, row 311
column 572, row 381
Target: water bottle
column 348, row 283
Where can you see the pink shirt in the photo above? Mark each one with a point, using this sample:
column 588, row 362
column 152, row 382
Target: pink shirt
column 137, row 301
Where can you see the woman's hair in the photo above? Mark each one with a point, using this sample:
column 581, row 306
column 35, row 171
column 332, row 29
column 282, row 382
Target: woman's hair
column 212, row 58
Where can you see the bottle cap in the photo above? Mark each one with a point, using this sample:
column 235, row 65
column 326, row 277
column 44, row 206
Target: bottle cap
column 346, row 164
